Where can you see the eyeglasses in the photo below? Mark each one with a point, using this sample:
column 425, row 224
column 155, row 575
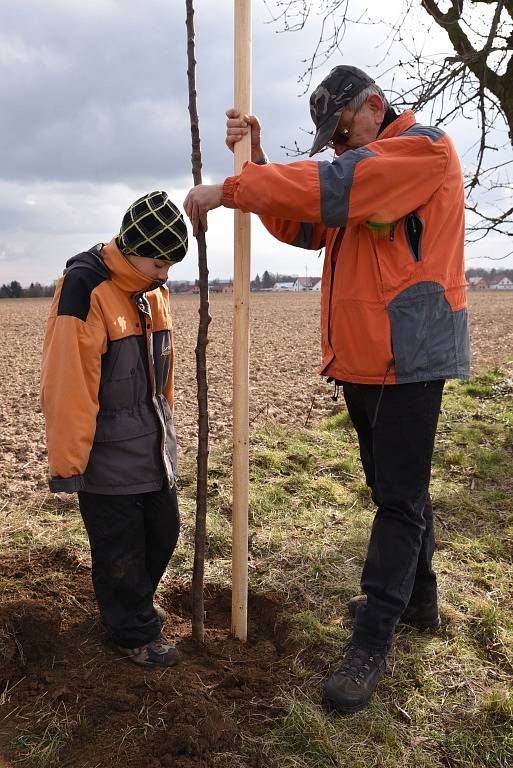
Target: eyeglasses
column 341, row 135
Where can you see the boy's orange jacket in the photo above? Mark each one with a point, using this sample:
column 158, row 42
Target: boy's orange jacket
column 391, row 216
column 107, row 378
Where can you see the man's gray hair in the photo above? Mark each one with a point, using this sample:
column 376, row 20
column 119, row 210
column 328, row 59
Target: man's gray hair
column 359, row 100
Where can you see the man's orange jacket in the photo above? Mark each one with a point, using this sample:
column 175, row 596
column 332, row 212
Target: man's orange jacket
column 391, row 216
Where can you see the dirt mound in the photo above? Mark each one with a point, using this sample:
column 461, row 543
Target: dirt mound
column 65, row 688
column 199, row 729
column 28, row 633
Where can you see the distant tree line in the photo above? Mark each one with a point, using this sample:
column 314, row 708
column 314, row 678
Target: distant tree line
column 489, row 274
column 13, row 290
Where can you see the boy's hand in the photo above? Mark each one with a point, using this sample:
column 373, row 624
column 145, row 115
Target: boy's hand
column 237, row 127
column 200, row 200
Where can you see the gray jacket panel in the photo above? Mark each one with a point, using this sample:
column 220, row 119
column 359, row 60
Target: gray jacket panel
column 429, row 340
column 304, row 236
column 134, row 447
column 336, row 180
column 429, row 131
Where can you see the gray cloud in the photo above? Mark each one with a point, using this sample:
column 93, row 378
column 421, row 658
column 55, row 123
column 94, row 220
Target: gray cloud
column 94, row 113
column 99, row 92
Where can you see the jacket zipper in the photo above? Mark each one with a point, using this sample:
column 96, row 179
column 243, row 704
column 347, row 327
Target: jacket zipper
column 148, row 341
column 338, row 238
column 414, row 227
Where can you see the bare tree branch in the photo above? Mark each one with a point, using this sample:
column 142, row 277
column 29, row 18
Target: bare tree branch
column 474, row 81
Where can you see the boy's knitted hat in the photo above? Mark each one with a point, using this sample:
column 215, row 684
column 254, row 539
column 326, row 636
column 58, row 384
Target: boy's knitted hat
column 154, row 227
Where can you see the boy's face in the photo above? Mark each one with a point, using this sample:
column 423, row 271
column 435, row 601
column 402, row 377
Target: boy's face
column 157, row 269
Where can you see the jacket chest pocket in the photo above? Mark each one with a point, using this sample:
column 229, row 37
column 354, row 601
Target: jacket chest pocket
column 413, row 229
column 124, row 378
column 398, row 249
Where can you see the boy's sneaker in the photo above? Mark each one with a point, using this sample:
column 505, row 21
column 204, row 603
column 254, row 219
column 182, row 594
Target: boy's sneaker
column 158, row 653
column 424, row 618
column 352, row 684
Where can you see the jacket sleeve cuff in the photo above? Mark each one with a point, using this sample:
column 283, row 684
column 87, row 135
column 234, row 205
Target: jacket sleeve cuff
column 66, row 484
column 229, row 191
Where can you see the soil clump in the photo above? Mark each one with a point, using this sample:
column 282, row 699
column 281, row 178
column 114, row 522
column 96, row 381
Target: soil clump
column 63, row 686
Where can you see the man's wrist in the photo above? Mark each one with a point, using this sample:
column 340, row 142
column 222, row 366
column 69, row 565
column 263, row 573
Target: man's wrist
column 259, row 157
column 228, row 196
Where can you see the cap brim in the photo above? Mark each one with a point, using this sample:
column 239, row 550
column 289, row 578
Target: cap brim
column 325, row 132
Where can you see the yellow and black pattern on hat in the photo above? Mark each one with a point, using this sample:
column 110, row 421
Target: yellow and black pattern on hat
column 154, row 227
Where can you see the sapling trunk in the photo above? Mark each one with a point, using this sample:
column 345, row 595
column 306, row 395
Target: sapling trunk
column 198, row 628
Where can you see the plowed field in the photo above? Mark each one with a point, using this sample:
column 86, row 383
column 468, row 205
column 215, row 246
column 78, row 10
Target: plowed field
column 284, row 385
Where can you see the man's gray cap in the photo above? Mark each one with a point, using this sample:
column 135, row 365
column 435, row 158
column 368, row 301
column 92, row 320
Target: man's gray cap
column 329, row 99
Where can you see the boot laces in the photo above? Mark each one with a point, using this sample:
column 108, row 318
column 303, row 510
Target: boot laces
column 159, row 646
column 356, row 663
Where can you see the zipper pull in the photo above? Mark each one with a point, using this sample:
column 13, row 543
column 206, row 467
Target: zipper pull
column 392, row 233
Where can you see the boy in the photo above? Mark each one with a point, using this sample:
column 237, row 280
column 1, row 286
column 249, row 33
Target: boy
column 107, row 398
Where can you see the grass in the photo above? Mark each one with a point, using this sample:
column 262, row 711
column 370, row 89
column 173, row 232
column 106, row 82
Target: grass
column 52, row 729
column 447, row 699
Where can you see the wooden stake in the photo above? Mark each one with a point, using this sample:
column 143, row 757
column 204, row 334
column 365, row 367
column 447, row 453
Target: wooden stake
column 201, row 356
column 241, row 278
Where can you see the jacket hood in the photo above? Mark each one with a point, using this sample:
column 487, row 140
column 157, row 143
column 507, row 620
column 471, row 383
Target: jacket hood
column 108, row 261
column 124, row 274
column 90, row 259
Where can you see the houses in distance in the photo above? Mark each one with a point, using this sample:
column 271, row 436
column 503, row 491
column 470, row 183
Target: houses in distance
column 268, row 283
column 482, row 283
column 289, row 284
column 299, row 284
column 192, row 287
column 501, row 284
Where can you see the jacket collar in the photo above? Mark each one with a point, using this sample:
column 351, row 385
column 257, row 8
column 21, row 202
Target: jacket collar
column 401, row 124
column 123, row 273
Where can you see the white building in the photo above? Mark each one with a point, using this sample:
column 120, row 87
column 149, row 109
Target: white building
column 478, row 283
column 283, row 287
column 305, row 283
column 501, row 284
column 317, row 286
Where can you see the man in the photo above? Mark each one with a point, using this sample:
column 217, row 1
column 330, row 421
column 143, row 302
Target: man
column 389, row 210
column 107, row 397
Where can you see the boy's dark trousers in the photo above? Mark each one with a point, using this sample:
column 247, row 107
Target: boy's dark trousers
column 396, row 455
column 132, row 539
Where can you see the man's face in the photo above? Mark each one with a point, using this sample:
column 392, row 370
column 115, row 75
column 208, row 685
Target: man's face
column 356, row 129
column 157, row 269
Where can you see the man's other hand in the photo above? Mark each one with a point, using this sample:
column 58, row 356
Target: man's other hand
column 200, row 200
column 237, row 126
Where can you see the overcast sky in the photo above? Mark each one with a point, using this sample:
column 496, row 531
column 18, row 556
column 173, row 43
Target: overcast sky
column 94, row 114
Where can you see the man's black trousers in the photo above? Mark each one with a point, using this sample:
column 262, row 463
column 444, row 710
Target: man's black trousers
column 132, row 539
column 396, row 427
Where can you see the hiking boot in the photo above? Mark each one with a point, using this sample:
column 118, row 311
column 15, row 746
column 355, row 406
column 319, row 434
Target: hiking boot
column 158, row 653
column 424, row 618
column 352, row 684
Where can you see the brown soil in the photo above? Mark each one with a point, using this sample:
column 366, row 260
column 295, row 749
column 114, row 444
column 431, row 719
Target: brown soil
column 284, row 384
column 59, row 673
column 58, row 676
